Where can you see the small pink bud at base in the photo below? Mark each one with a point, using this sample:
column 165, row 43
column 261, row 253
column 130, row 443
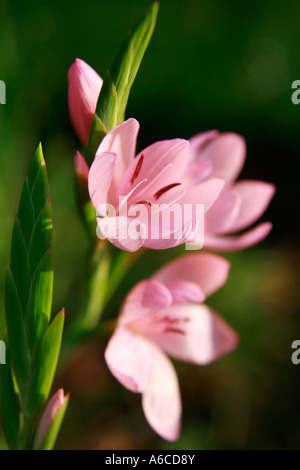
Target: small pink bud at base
column 84, row 88
column 49, row 414
column 80, row 166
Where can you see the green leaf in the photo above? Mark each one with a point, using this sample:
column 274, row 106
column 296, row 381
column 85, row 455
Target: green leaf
column 34, row 345
column 9, row 405
column 29, row 281
column 39, row 305
column 41, row 235
column 51, row 436
column 97, row 133
column 47, row 358
column 18, row 344
column 96, row 288
column 118, row 82
column 119, row 79
column 20, row 264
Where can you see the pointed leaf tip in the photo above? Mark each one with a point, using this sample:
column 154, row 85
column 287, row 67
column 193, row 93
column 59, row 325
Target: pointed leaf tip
column 114, row 94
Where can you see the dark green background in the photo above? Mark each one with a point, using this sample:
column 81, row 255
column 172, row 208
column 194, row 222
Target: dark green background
column 218, row 64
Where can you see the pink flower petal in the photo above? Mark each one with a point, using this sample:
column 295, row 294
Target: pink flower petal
column 204, row 193
column 180, row 214
column 198, row 170
column 161, row 398
column 169, row 222
column 159, row 165
column 120, row 232
column 121, row 140
column 80, row 166
column 141, row 367
column 99, row 180
column 223, row 213
column 128, row 357
column 180, row 233
column 185, row 291
column 84, row 88
column 176, row 239
column 146, row 298
column 227, row 154
column 208, row 271
column 255, row 198
column 200, row 140
column 192, row 333
column 233, row 243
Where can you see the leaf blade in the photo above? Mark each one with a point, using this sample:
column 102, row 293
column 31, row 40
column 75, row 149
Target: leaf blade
column 46, row 365
column 29, row 284
column 119, row 79
column 17, row 339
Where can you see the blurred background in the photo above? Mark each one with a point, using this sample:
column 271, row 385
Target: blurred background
column 211, row 64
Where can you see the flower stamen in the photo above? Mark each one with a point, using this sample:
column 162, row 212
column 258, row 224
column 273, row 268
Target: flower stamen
column 137, row 169
column 125, row 199
column 162, row 191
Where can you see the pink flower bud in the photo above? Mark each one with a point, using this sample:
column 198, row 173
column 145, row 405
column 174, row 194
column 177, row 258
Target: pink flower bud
column 81, row 173
column 84, row 88
column 80, row 166
column 49, row 414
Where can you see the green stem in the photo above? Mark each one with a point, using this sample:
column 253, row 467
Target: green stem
column 98, row 279
column 95, row 291
column 103, row 278
column 122, row 265
column 27, row 433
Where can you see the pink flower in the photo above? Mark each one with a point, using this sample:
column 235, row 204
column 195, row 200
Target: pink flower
column 49, row 414
column 241, row 203
column 141, row 189
column 84, row 88
column 161, row 316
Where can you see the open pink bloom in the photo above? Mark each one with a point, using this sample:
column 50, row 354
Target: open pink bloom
column 143, row 190
column 49, row 414
column 84, row 88
column 162, row 316
column 239, row 204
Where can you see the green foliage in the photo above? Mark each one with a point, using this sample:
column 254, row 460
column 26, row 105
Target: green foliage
column 45, row 366
column 34, row 346
column 119, row 79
